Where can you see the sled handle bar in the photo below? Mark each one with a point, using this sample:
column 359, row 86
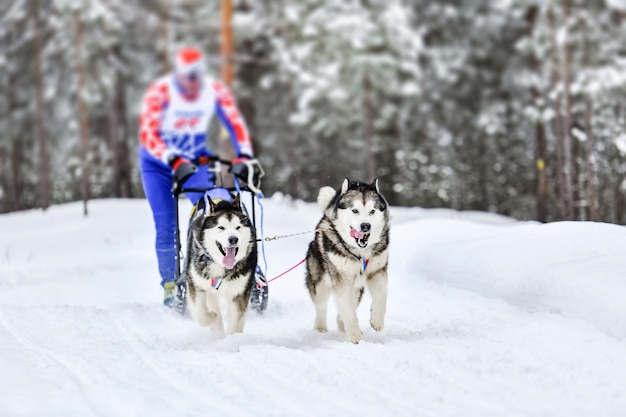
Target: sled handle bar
column 178, row 189
column 203, row 189
column 206, row 160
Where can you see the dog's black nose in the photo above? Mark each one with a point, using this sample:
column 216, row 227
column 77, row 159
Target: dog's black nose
column 365, row 227
column 233, row 240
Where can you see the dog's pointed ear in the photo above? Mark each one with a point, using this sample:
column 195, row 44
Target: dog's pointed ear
column 375, row 185
column 212, row 205
column 237, row 202
column 345, row 185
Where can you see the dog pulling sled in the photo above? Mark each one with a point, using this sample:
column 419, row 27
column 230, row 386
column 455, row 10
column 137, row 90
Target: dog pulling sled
column 260, row 293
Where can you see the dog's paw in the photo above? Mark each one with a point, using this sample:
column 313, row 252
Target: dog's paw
column 340, row 325
column 212, row 320
column 203, row 318
column 355, row 335
column 377, row 323
column 321, row 329
column 320, row 326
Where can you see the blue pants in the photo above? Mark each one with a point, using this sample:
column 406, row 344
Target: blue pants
column 157, row 185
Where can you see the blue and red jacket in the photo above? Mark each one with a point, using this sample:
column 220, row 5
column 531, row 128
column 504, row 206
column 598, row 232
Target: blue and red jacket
column 170, row 124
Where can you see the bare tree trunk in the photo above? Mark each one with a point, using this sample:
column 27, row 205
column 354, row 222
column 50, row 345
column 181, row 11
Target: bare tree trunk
column 122, row 187
column 17, row 157
column 558, row 122
column 164, row 18
column 4, row 186
column 293, row 155
column 591, row 179
column 40, row 132
column 481, row 162
column 6, row 177
column 540, row 166
column 14, row 151
column 567, row 122
column 227, row 69
column 82, row 111
column 540, row 133
column 226, row 43
column 620, row 200
column 368, row 115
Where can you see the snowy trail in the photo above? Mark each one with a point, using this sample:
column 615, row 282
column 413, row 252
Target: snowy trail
column 82, row 331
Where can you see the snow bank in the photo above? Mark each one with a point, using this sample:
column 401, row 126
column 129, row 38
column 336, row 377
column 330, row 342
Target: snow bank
column 577, row 269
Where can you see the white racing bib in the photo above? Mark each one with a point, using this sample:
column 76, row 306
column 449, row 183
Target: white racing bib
column 185, row 123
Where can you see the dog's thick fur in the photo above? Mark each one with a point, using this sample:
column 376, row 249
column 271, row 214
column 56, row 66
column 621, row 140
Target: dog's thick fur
column 350, row 250
column 223, row 229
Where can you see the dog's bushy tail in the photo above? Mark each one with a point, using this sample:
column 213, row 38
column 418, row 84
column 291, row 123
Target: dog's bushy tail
column 324, row 197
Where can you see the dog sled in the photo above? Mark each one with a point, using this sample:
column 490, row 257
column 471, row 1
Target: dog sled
column 260, row 292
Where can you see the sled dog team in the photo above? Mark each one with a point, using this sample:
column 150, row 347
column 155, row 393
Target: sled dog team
column 348, row 253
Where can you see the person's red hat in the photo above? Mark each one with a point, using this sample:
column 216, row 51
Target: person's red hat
column 188, row 61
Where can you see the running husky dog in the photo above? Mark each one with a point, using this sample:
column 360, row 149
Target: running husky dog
column 350, row 250
column 220, row 263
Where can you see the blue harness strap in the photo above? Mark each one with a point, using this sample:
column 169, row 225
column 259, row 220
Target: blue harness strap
column 259, row 198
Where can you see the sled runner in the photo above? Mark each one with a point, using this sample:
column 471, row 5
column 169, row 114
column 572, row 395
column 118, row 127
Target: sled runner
column 259, row 296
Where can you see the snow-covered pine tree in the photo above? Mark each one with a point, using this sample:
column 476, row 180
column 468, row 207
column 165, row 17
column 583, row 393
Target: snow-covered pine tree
column 593, row 77
column 350, row 67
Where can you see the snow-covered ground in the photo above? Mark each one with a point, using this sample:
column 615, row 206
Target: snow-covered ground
column 486, row 317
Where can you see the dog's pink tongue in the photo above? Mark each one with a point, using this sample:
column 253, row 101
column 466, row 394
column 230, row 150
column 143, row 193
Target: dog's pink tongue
column 229, row 259
column 356, row 234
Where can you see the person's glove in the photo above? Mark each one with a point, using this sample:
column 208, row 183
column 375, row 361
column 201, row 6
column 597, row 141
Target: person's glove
column 249, row 171
column 203, row 158
column 182, row 169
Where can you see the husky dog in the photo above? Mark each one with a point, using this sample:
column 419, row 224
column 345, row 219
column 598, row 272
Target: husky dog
column 220, row 263
column 350, row 250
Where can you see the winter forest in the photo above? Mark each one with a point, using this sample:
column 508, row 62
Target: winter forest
column 510, row 106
